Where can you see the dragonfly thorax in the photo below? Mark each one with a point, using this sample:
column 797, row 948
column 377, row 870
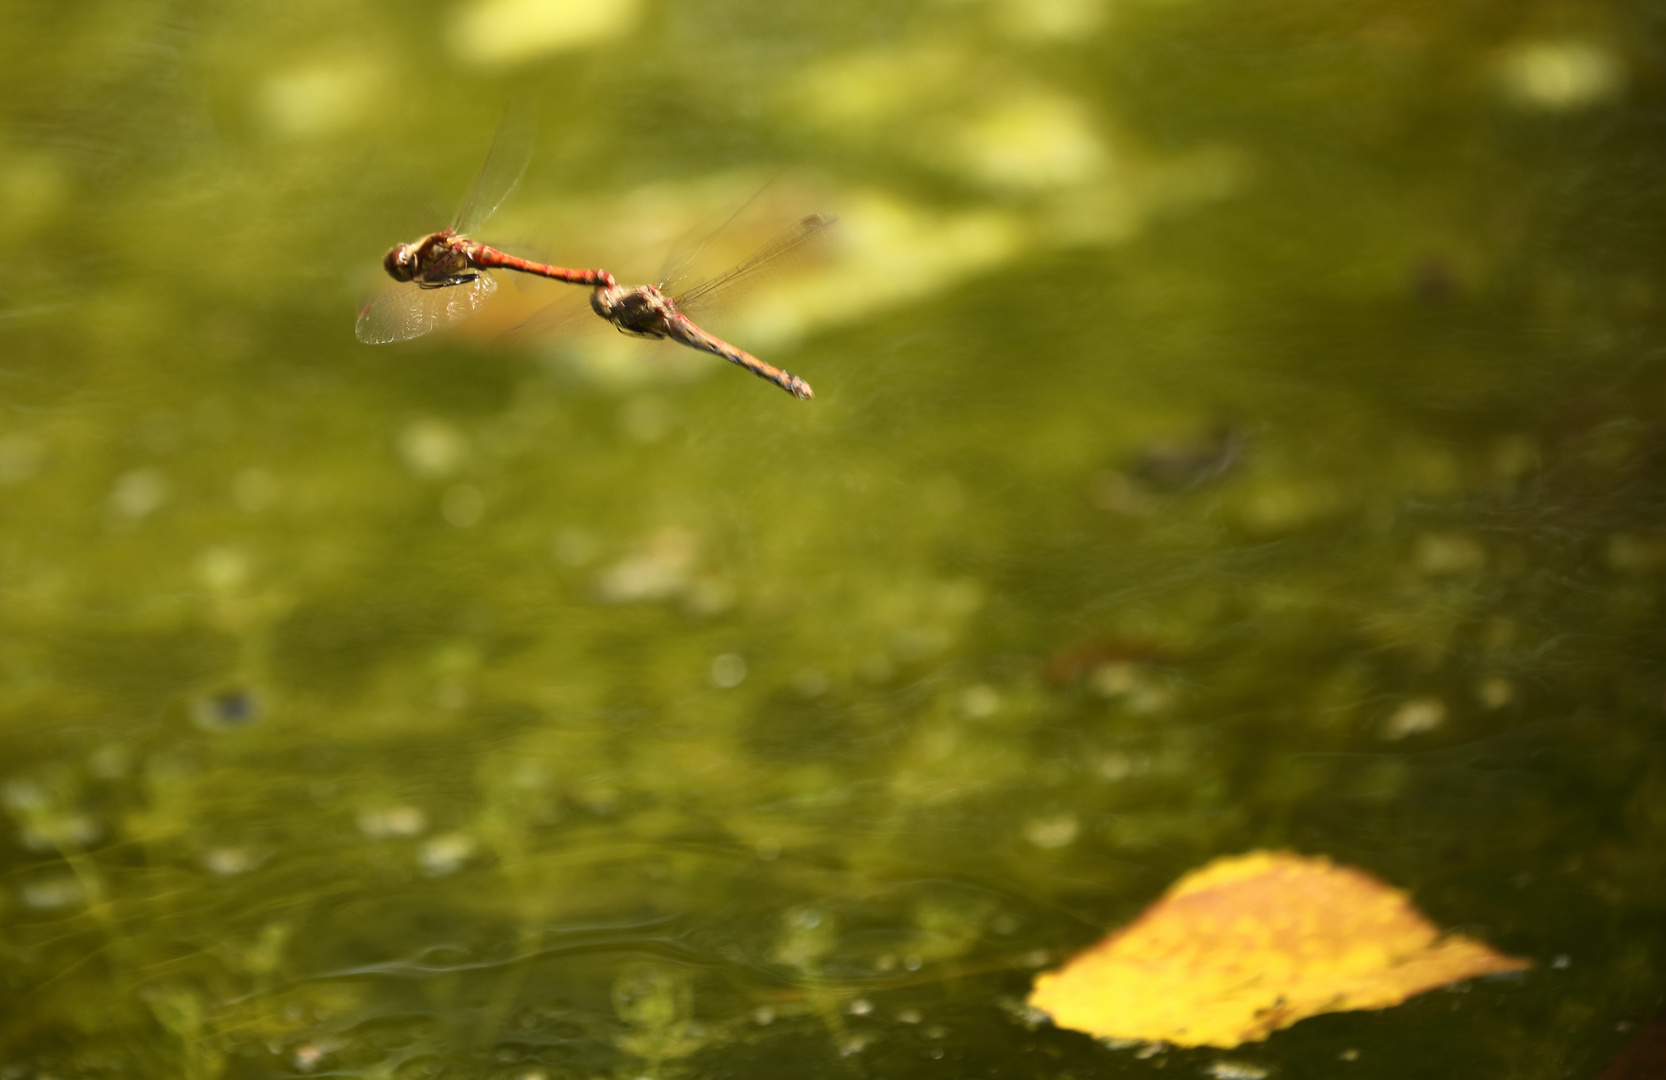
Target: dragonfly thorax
column 422, row 258
column 642, row 310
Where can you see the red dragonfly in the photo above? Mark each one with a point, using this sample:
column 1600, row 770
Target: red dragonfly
column 646, row 311
column 444, row 276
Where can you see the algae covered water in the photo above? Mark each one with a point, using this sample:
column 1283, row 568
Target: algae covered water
column 1236, row 426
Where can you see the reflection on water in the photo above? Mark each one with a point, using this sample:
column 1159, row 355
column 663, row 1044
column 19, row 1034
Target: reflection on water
column 1236, row 427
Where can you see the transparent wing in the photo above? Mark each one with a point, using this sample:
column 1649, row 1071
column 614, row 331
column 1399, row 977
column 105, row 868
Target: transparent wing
column 567, row 317
column 681, row 258
column 505, row 163
column 410, row 311
column 802, row 236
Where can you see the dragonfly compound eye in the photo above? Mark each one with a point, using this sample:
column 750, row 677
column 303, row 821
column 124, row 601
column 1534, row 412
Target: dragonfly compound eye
column 399, row 264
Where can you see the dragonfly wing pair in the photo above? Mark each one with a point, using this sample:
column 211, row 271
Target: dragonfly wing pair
column 410, row 310
column 799, row 240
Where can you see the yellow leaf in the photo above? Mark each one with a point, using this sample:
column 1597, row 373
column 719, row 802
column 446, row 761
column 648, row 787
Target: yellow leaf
column 1253, row 943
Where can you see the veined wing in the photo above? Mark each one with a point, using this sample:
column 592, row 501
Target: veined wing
column 683, row 256
column 802, row 235
column 410, row 311
column 506, row 162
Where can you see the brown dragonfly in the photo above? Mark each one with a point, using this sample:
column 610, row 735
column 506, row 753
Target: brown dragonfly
column 647, row 311
column 444, row 277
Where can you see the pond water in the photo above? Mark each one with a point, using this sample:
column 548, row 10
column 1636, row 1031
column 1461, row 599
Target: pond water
column 1236, row 426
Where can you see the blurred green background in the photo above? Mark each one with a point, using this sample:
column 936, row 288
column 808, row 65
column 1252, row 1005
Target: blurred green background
column 1237, row 425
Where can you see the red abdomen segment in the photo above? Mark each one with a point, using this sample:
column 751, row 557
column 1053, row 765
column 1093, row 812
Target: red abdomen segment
column 680, row 328
column 492, row 258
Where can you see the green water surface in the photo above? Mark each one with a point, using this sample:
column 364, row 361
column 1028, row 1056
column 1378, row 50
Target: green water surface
column 1237, row 425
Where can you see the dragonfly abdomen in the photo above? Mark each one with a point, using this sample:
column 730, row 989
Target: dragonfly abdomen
column 482, row 255
column 680, row 328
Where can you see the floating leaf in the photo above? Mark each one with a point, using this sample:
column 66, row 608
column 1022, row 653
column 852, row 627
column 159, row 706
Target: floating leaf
column 1253, row 943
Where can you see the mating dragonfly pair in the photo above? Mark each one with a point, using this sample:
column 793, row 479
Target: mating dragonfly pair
column 445, row 276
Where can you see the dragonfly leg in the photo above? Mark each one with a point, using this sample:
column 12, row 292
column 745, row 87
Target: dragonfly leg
column 446, row 283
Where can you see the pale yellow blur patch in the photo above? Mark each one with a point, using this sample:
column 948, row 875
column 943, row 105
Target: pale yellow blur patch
column 504, row 32
column 862, row 88
column 888, row 253
column 1039, row 141
column 1561, row 76
column 1012, row 133
column 1253, row 943
column 317, row 98
column 1048, row 20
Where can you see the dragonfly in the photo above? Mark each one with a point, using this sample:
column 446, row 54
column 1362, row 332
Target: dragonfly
column 647, row 311
column 444, row 277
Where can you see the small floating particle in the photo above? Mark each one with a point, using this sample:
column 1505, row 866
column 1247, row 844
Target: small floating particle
column 229, row 861
column 728, row 671
column 660, row 568
column 1056, row 831
column 223, row 569
column 855, row 1043
column 308, row 1055
column 392, row 821
column 446, row 854
column 139, row 494
column 1414, row 717
column 433, row 449
column 980, row 702
column 1495, row 692
column 230, row 708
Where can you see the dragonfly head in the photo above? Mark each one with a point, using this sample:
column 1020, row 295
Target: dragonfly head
column 635, row 311
column 400, row 262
